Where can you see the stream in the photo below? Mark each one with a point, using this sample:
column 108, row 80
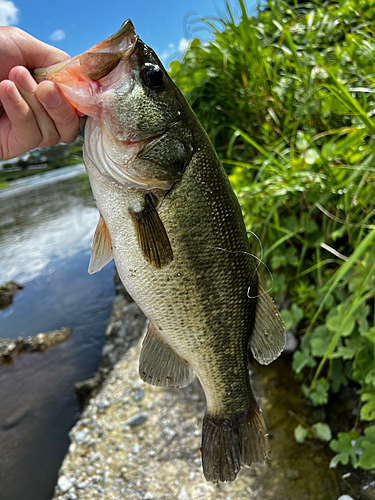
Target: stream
column 47, row 224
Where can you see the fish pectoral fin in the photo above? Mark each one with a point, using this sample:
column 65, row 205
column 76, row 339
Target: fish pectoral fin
column 151, row 235
column 268, row 336
column 160, row 365
column 101, row 250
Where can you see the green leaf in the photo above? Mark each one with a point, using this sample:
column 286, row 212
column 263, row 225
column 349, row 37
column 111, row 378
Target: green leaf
column 175, row 66
column 291, row 256
column 344, row 352
column 342, row 458
column 321, row 431
column 291, row 223
column 301, row 142
column 370, row 335
column 362, row 364
column 367, row 457
column 310, row 226
column 287, row 318
column 311, row 156
column 339, row 375
column 345, row 446
column 300, row 433
column 368, row 409
column 334, row 323
column 370, row 377
column 341, row 325
column 297, row 313
column 301, row 359
column 319, row 392
column 319, row 341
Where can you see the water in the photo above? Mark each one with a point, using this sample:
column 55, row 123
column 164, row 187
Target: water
column 46, row 227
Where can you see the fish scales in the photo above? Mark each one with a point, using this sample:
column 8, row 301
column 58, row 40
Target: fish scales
column 202, row 296
column 169, row 218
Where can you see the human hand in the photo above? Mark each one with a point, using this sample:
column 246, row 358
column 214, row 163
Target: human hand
column 32, row 114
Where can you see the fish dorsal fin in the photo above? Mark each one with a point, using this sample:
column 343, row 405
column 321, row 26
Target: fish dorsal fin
column 101, row 250
column 160, row 365
column 268, row 336
column 151, row 235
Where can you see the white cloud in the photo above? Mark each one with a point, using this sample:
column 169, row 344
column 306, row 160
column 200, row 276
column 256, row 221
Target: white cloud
column 8, row 13
column 171, row 52
column 165, row 55
column 183, row 44
column 57, row 35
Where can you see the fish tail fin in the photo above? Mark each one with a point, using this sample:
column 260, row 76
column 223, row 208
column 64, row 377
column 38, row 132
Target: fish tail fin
column 228, row 443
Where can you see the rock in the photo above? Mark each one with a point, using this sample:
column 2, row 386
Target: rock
column 139, row 395
column 64, row 483
column 17, row 417
column 291, row 343
column 136, row 420
column 292, row 474
column 183, row 495
column 10, row 348
column 7, row 292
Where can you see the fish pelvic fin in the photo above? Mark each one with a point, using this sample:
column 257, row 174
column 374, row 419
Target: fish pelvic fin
column 267, row 339
column 101, row 250
column 160, row 365
column 151, row 235
column 231, row 442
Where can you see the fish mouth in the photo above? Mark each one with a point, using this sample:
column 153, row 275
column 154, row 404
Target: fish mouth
column 96, row 62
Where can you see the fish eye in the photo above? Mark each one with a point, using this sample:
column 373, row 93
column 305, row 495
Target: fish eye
column 152, row 76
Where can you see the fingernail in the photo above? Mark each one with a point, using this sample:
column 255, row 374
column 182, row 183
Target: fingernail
column 13, row 93
column 25, row 80
column 52, row 98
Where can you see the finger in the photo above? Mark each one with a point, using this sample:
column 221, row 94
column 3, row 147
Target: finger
column 19, row 130
column 59, row 109
column 26, row 85
column 18, row 48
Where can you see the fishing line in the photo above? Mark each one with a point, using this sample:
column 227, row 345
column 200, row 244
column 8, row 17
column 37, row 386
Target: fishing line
column 261, row 248
column 256, row 258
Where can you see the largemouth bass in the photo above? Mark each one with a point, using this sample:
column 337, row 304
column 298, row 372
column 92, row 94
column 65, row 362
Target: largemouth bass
column 169, row 218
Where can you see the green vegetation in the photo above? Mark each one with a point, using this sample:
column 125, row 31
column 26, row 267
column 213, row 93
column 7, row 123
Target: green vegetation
column 288, row 98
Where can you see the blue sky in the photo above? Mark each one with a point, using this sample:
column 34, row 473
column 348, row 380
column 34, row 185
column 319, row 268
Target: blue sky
column 74, row 26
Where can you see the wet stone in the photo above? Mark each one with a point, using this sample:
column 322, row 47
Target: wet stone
column 292, row 474
column 64, row 483
column 183, row 494
column 137, row 419
column 139, row 395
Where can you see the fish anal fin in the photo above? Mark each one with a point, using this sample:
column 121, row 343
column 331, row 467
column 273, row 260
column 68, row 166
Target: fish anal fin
column 232, row 441
column 160, row 365
column 151, row 235
column 101, row 250
column 267, row 339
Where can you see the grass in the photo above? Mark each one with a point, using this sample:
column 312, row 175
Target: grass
column 287, row 98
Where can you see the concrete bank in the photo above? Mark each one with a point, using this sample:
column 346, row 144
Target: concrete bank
column 136, row 441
